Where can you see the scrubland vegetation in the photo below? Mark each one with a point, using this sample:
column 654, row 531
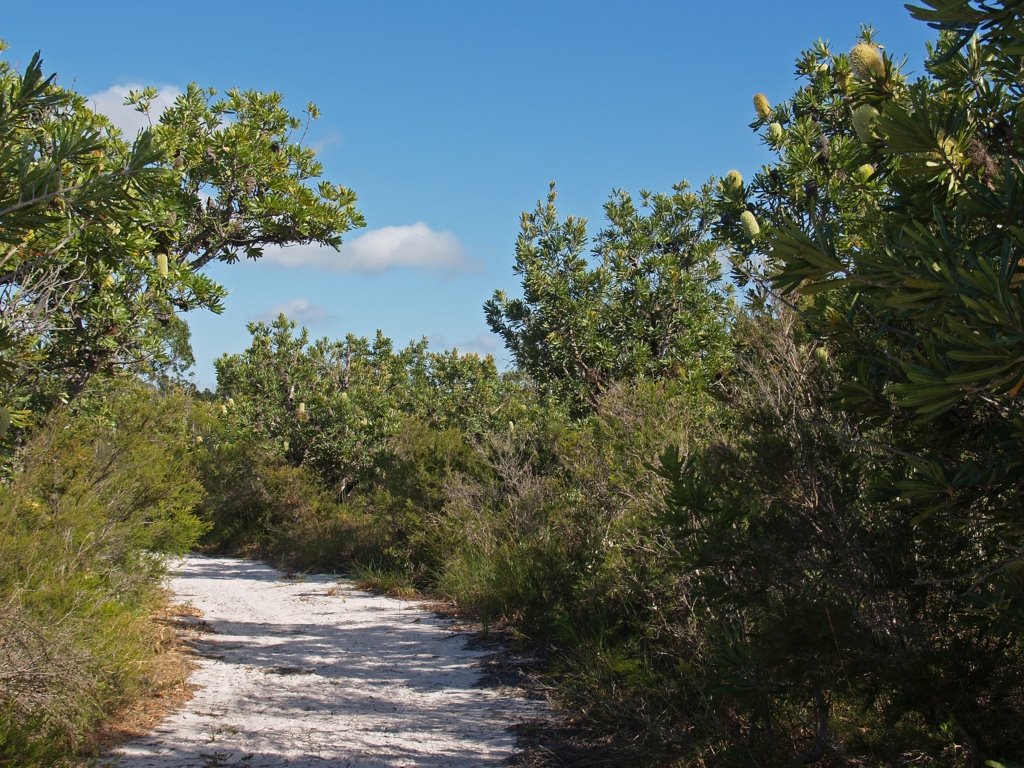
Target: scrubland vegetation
column 770, row 517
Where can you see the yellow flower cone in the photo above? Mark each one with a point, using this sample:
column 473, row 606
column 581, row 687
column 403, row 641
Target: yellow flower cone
column 750, row 225
column 733, row 181
column 866, row 61
column 762, row 106
column 864, row 118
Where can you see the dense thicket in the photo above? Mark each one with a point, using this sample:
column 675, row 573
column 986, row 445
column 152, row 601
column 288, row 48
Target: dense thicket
column 772, row 520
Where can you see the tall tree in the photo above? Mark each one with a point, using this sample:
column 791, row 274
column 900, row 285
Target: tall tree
column 884, row 478
column 647, row 301
column 923, row 287
column 105, row 240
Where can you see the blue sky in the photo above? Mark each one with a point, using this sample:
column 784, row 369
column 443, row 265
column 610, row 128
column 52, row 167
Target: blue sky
column 450, row 118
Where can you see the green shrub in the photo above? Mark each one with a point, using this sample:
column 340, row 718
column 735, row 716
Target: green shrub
column 827, row 618
column 104, row 492
column 561, row 537
column 257, row 504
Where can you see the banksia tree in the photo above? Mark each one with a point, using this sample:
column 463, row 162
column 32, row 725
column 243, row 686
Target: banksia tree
column 915, row 281
column 889, row 224
column 823, row 134
column 633, row 308
column 93, row 203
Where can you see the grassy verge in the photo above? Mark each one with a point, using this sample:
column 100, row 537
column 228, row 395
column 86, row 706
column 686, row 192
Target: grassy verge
column 165, row 687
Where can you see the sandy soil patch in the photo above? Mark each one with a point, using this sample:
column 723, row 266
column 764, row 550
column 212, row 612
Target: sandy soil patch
column 313, row 672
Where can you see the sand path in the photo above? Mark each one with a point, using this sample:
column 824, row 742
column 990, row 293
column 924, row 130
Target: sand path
column 311, row 673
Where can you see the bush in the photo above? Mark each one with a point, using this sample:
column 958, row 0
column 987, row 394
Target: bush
column 825, row 621
column 256, row 504
column 561, row 537
column 105, row 491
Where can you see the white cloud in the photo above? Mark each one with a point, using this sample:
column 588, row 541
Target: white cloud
column 334, row 137
column 111, row 103
column 301, row 310
column 484, row 343
column 377, row 250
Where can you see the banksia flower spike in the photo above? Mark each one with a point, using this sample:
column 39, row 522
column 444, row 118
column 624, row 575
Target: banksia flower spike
column 949, row 152
column 762, row 106
column 865, row 172
column 866, row 61
column 775, row 132
column 300, row 412
column 750, row 225
column 733, row 181
column 161, row 264
column 864, row 118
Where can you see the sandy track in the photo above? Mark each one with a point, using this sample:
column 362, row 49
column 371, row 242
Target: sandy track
column 315, row 673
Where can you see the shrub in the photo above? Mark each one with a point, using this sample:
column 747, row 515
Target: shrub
column 105, row 491
column 569, row 548
column 825, row 621
column 257, row 504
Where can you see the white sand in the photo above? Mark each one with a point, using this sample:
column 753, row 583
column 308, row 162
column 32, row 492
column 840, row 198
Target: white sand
column 294, row 676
